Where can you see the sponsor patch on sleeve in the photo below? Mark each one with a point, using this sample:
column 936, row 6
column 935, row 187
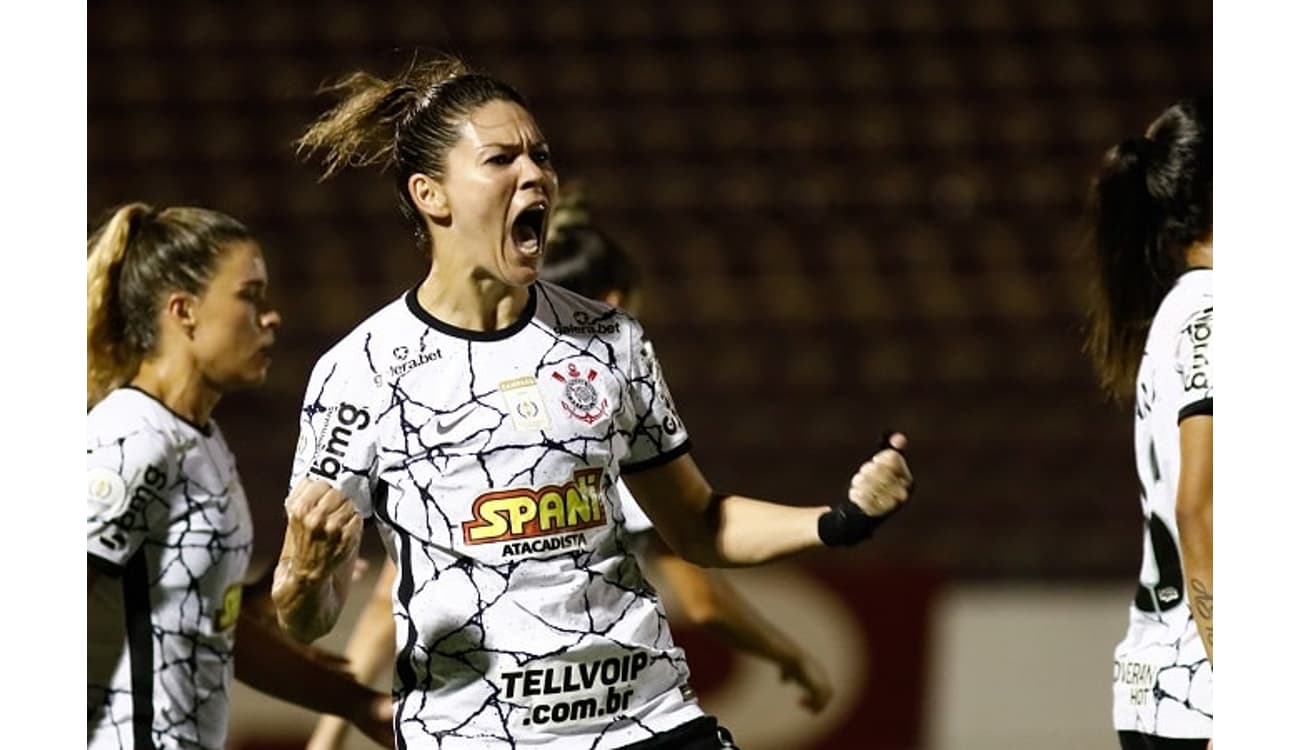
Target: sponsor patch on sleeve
column 106, row 492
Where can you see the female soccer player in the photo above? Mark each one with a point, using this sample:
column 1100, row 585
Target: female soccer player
column 582, row 258
column 484, row 418
column 176, row 317
column 1149, row 336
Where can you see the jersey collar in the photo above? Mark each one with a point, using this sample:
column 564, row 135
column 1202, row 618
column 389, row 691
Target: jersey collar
column 526, row 315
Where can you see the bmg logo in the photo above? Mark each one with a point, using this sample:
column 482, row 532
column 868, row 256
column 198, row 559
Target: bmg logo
column 329, row 458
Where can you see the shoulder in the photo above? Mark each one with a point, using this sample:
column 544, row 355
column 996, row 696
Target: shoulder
column 556, row 300
column 128, row 429
column 125, row 412
column 358, row 357
column 568, row 313
column 1193, row 313
column 1190, row 303
column 1193, row 293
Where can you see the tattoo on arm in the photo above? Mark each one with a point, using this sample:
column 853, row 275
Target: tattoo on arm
column 1202, row 599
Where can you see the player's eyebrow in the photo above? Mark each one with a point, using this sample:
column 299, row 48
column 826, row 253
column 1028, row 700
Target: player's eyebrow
column 515, row 145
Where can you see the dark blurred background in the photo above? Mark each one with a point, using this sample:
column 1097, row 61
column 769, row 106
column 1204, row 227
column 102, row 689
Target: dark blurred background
column 852, row 215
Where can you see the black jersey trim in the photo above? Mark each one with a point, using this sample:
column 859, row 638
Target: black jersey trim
column 1129, row 740
column 1197, row 408
column 139, row 644
column 405, row 590
column 530, row 309
column 659, row 460
column 204, row 430
column 104, row 565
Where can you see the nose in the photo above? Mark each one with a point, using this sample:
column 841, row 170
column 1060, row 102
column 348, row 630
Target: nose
column 531, row 174
column 271, row 319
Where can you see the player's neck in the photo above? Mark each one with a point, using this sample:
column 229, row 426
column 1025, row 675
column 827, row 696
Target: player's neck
column 456, row 297
column 179, row 387
column 1201, row 254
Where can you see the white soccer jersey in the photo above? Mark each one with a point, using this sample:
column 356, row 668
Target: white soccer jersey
column 635, row 520
column 489, row 460
column 170, row 532
column 1162, row 679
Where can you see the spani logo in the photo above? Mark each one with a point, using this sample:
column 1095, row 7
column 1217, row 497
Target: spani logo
column 525, row 513
column 228, row 615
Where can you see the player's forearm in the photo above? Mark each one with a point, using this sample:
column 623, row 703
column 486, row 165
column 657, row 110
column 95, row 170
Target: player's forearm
column 268, row 663
column 306, row 607
column 371, row 649
column 1196, row 532
column 720, row 609
column 1194, row 508
column 738, row 531
column 330, row 734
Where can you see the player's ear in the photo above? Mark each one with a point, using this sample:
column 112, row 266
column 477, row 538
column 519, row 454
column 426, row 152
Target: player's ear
column 429, row 196
column 180, row 309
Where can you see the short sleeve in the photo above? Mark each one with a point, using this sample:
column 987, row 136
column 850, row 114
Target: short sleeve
column 1192, row 360
column 653, row 431
column 127, row 481
column 337, row 430
column 635, row 520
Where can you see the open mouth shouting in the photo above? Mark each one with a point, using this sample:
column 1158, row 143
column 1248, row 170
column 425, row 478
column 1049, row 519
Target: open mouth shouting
column 528, row 230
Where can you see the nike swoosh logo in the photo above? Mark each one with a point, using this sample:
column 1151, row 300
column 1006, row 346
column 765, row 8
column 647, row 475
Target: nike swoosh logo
column 442, row 428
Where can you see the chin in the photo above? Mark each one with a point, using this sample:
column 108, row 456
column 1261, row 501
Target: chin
column 246, row 380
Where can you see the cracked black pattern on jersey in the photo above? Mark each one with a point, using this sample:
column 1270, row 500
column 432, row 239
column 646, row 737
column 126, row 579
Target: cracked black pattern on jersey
column 1163, row 681
column 1173, row 682
column 167, row 510
column 522, row 616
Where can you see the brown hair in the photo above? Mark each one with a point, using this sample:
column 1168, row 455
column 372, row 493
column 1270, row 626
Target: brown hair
column 409, row 123
column 133, row 260
column 1150, row 202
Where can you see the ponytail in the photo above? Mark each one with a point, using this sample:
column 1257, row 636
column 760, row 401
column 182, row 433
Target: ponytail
column 408, row 123
column 109, row 361
column 1149, row 203
column 138, row 256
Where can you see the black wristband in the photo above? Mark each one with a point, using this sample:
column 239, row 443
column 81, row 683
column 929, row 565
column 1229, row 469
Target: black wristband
column 846, row 524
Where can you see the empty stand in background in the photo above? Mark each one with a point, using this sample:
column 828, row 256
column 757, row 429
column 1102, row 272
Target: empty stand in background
column 851, row 215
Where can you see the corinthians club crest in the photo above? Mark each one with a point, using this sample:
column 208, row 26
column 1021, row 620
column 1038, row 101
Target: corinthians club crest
column 581, row 399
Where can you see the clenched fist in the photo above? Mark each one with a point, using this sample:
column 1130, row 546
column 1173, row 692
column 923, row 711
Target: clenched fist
column 324, row 530
column 883, row 483
column 322, row 535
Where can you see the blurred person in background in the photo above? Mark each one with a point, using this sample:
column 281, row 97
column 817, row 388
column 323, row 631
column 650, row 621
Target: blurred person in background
column 177, row 316
column 583, row 259
column 1149, row 335
column 484, row 419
